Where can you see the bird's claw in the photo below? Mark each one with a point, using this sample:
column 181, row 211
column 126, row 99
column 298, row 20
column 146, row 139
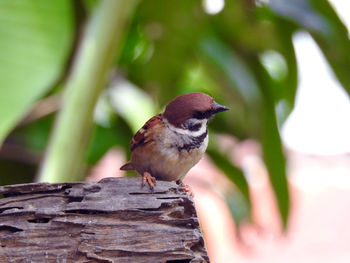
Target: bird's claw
column 148, row 178
column 186, row 187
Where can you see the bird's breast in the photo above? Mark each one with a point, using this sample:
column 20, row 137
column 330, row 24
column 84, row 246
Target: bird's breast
column 169, row 156
column 178, row 156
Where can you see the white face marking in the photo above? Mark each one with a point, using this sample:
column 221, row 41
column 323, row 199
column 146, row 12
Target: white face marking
column 204, row 145
column 187, row 132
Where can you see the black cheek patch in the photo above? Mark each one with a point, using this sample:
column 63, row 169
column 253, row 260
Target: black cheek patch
column 195, row 127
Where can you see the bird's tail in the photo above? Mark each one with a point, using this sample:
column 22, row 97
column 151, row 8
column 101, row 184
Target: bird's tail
column 126, row 167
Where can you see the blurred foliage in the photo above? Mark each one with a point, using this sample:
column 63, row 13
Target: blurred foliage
column 239, row 202
column 243, row 56
column 35, row 41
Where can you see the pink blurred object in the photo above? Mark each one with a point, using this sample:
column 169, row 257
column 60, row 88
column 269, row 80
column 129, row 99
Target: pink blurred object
column 108, row 166
column 318, row 228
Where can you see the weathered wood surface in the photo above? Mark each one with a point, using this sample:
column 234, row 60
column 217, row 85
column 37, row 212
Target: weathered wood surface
column 113, row 220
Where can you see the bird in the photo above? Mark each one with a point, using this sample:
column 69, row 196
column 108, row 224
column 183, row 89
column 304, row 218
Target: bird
column 169, row 144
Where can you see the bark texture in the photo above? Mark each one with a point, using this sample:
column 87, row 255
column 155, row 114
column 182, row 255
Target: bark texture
column 113, row 220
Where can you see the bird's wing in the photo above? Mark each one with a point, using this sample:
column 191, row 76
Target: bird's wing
column 143, row 136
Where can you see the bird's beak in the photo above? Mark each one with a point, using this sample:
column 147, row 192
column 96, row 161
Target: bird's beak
column 219, row 108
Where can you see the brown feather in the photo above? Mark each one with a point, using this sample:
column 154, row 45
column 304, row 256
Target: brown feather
column 182, row 107
column 127, row 167
column 141, row 138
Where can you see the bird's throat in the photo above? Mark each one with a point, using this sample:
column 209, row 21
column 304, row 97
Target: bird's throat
column 185, row 139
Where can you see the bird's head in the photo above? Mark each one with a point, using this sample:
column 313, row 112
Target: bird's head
column 192, row 111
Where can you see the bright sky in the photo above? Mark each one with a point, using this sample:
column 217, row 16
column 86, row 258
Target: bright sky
column 320, row 122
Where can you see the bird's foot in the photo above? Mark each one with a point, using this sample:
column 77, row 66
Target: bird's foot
column 149, row 179
column 186, row 187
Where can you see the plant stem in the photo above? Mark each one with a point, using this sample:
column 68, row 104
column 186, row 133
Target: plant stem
column 64, row 160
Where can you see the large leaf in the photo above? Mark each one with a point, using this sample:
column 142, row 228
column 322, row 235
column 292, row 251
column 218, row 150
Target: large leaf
column 271, row 143
column 336, row 46
column 253, row 84
column 282, row 60
column 275, row 161
column 99, row 45
column 321, row 21
column 35, row 38
column 233, row 68
column 161, row 42
column 240, row 204
column 289, row 84
column 239, row 79
column 302, row 13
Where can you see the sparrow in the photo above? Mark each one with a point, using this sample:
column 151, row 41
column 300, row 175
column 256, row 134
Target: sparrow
column 169, row 144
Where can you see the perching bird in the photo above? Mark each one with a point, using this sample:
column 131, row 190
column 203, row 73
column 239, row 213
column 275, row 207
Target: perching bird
column 171, row 143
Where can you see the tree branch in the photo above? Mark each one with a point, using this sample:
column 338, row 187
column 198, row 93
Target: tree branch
column 109, row 221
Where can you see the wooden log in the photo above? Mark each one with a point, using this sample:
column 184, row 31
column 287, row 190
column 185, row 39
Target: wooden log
column 113, row 220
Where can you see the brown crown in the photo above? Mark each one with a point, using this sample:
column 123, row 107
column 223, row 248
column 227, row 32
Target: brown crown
column 184, row 106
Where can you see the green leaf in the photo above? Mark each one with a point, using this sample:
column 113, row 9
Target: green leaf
column 241, row 211
column 321, row 21
column 165, row 41
column 238, row 207
column 284, row 86
column 101, row 40
column 104, row 139
column 240, row 83
column 336, row 46
column 254, row 85
column 275, row 162
column 289, row 84
column 270, row 140
column 302, row 13
column 233, row 68
column 35, row 39
column 132, row 103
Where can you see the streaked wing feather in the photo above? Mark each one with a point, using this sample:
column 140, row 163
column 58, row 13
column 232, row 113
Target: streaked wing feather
column 142, row 136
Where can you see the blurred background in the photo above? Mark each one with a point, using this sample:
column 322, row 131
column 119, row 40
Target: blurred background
column 79, row 78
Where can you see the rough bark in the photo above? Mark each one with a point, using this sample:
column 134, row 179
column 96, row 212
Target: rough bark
column 113, row 220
